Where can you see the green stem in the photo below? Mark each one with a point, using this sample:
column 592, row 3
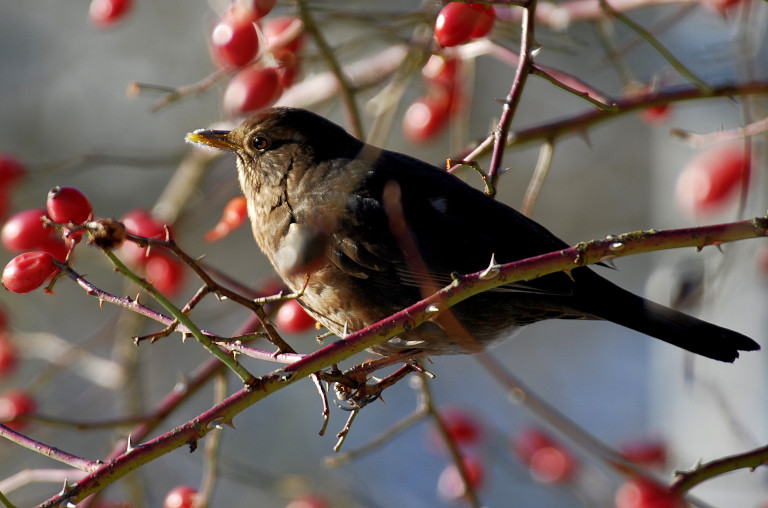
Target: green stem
column 183, row 319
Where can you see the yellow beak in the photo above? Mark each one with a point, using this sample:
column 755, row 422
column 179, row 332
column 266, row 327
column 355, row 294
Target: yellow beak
column 213, row 139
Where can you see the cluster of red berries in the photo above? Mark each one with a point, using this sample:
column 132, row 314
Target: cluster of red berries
column 547, row 460
column 164, row 271
column 456, row 23
column 39, row 244
column 264, row 51
column 428, row 115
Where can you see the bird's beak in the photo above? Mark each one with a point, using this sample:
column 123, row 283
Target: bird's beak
column 214, row 139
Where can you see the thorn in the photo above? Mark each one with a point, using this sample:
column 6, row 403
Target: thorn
column 216, row 423
column 492, row 271
column 569, row 274
column 66, row 488
column 101, row 303
column 433, row 308
column 584, row 134
column 182, row 383
column 345, row 332
column 129, row 446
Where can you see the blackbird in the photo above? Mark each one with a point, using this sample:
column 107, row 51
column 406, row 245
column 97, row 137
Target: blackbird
column 366, row 232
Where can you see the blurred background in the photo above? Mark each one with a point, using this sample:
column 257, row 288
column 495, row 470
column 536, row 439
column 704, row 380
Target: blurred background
column 67, row 116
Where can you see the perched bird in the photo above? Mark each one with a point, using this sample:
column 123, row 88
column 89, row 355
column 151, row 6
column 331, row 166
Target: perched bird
column 371, row 231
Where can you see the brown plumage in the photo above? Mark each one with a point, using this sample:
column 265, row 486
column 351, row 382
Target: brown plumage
column 377, row 230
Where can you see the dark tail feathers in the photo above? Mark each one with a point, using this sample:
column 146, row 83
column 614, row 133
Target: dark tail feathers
column 684, row 331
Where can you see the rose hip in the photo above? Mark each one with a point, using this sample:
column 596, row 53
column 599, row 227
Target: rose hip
column 68, row 204
column 27, row 272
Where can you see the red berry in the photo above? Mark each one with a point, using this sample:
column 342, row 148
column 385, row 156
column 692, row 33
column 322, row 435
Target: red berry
column 292, row 318
column 234, row 39
column 441, row 71
column 485, row 22
column 308, row 501
column 710, row 180
column 182, row 496
column 257, row 8
column 234, row 215
column 655, row 115
column 450, row 485
column 252, row 89
column 273, row 29
column 455, row 24
column 548, row 461
column 462, row 427
column 287, row 67
column 552, row 465
column 108, row 12
column 8, row 356
column 27, row 272
column 25, row 231
column 166, row 273
column 720, row 7
column 56, row 247
column 14, row 405
column 68, row 204
column 11, row 170
column 425, row 118
column 648, row 453
column 641, row 493
column 139, row 222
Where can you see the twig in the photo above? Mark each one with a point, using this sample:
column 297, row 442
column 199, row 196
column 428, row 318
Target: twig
column 201, row 337
column 658, row 46
column 401, row 426
column 581, row 122
column 513, row 98
column 694, row 139
column 173, row 94
column 211, row 462
column 254, row 306
column 464, row 287
column 686, row 480
column 342, row 435
column 537, row 180
column 324, row 397
column 453, row 449
column 347, row 95
column 49, row 451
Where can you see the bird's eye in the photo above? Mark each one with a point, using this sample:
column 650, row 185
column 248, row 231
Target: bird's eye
column 260, row 142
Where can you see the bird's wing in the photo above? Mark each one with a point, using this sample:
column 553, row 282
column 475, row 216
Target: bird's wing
column 410, row 223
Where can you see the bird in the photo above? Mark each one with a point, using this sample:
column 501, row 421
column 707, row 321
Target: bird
column 362, row 232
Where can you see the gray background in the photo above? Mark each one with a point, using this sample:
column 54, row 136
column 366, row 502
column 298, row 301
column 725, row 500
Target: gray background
column 62, row 94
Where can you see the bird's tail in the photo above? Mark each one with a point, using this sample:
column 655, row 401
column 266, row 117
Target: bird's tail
column 612, row 303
